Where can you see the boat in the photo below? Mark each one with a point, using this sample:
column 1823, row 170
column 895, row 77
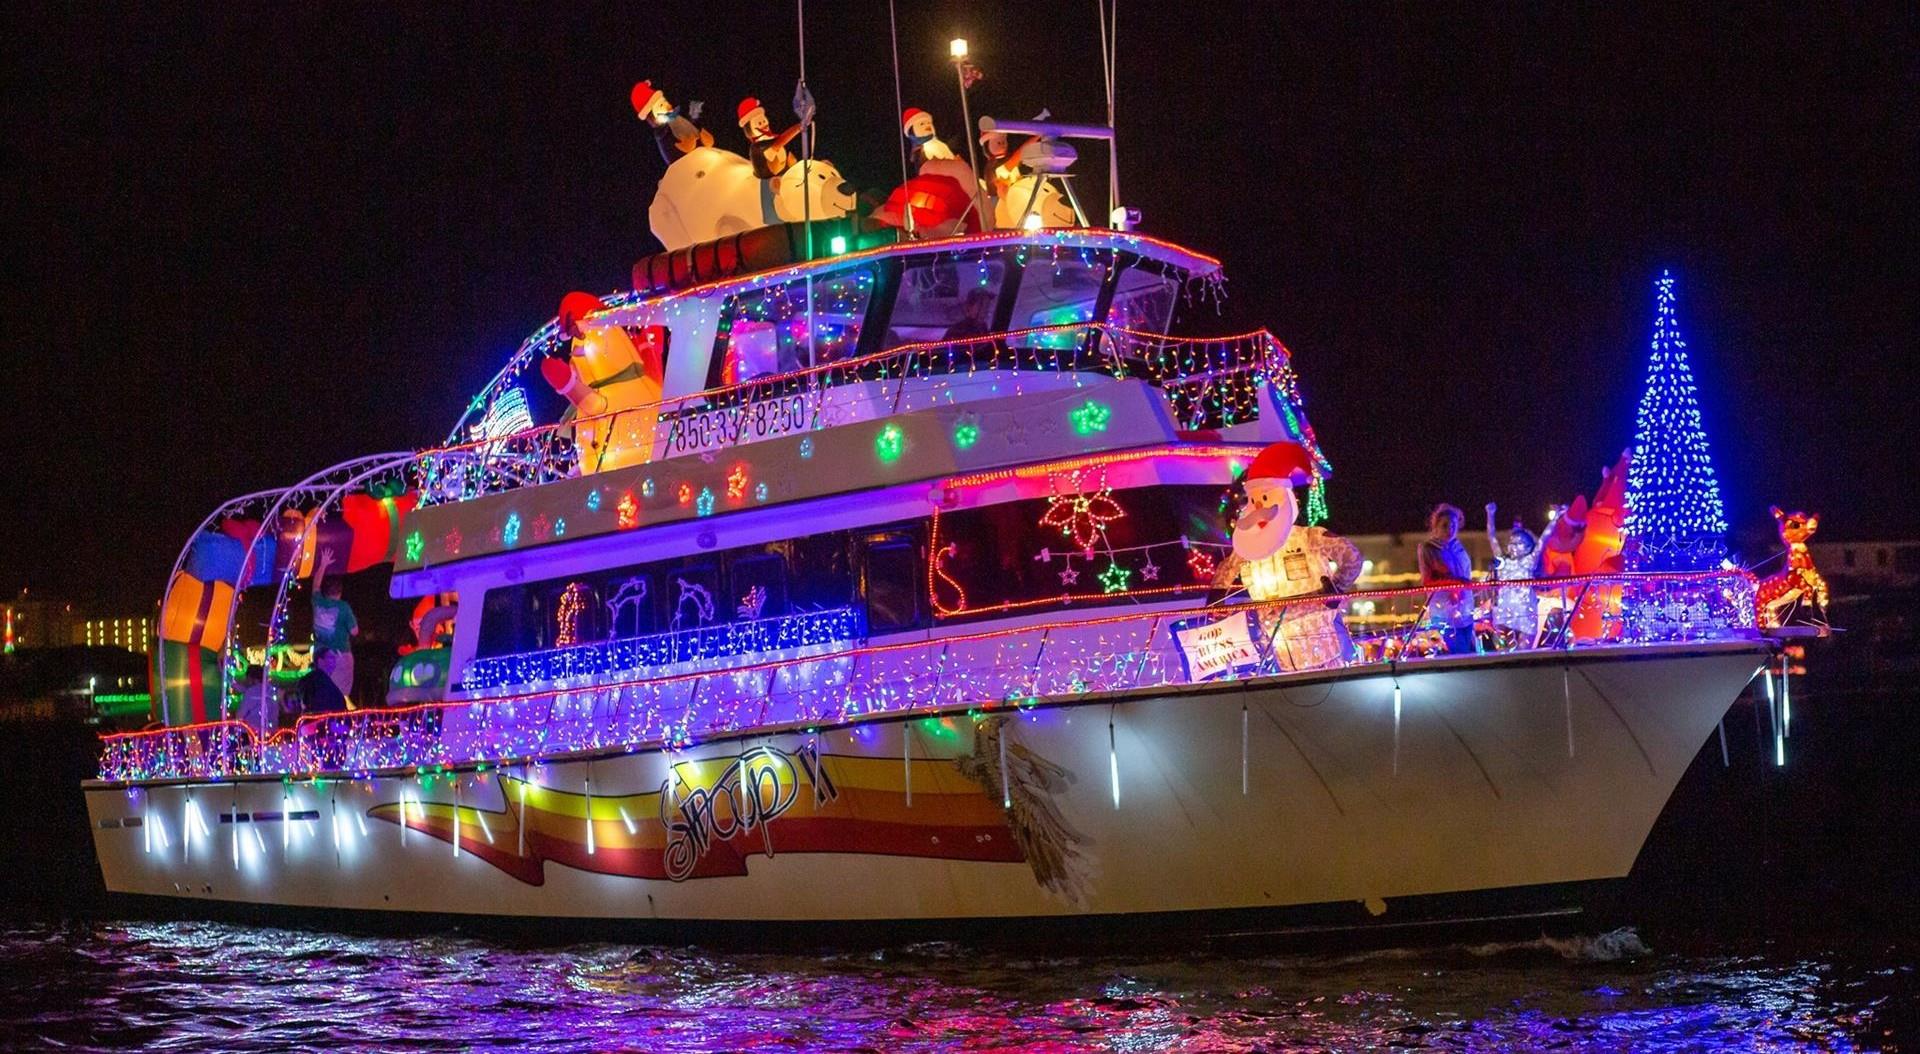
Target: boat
column 839, row 578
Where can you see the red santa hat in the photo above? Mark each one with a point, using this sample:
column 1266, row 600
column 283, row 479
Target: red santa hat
column 911, row 112
column 576, row 306
column 747, row 106
column 1285, row 460
column 643, row 94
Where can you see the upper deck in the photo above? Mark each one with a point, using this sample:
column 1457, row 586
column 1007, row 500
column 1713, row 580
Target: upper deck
column 878, row 369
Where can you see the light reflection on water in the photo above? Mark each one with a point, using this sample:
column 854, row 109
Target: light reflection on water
column 214, row 987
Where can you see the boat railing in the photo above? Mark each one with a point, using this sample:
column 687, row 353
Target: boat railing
column 1210, row 382
column 1387, row 630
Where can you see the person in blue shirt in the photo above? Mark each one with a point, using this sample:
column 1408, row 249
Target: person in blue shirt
column 334, row 627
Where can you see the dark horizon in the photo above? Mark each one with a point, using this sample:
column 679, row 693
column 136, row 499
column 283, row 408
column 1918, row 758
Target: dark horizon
column 255, row 243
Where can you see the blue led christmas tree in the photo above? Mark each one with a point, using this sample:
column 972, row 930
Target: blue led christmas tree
column 1675, row 521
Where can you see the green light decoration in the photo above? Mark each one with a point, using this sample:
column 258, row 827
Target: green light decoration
column 965, row 434
column 890, row 443
column 1115, row 578
column 416, row 546
column 1317, row 503
column 1090, row 417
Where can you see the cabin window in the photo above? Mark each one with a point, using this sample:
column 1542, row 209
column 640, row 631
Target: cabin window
column 757, row 585
column 820, row 572
column 946, row 298
column 893, row 583
column 764, row 332
column 1058, row 290
column 1143, row 299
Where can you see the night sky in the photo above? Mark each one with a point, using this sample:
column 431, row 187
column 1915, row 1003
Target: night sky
column 246, row 244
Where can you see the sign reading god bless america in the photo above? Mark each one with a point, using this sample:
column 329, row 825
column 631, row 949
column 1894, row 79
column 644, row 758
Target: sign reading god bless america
column 1213, row 649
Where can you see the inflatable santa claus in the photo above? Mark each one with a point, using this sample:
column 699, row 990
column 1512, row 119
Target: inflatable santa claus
column 1277, row 559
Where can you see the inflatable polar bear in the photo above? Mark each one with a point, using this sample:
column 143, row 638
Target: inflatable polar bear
column 1051, row 206
column 712, row 193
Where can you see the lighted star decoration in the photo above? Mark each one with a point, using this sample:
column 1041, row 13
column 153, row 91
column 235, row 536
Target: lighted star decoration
column 704, row 505
column 1069, row 576
column 593, row 501
column 1083, row 517
column 1201, row 564
column 627, row 513
column 1150, row 571
column 737, row 482
column 450, row 541
column 416, row 547
column 542, row 527
column 510, row 532
column 1115, row 578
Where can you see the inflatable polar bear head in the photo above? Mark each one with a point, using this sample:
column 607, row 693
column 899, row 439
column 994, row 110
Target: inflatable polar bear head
column 712, row 193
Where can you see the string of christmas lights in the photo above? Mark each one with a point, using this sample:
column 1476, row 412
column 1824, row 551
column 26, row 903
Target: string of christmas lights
column 841, row 683
column 1675, row 521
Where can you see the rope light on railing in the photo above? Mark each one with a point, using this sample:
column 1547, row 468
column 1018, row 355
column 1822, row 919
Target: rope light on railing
column 570, row 718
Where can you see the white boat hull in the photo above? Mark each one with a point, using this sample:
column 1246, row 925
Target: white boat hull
column 1523, row 771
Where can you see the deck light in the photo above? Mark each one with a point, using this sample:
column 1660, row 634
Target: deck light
column 957, row 48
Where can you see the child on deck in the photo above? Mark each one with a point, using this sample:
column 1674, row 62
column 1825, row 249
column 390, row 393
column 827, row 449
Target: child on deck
column 1514, row 607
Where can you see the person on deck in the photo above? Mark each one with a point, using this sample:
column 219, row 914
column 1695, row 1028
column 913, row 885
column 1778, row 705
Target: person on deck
column 976, row 319
column 1515, row 607
column 1444, row 561
column 334, row 627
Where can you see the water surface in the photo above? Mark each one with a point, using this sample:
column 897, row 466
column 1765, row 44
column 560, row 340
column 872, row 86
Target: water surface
column 198, row 986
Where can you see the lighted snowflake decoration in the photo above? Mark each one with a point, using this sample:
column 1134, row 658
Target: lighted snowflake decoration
column 542, row 527
column 737, row 482
column 627, row 513
column 593, row 500
column 560, row 527
column 1090, row 417
column 760, row 491
column 510, row 531
column 1115, row 578
column 966, row 430
column 890, row 443
column 646, row 487
column 450, row 541
column 416, row 547
column 806, row 447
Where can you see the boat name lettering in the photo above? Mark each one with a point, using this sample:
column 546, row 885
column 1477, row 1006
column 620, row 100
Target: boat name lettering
column 755, row 789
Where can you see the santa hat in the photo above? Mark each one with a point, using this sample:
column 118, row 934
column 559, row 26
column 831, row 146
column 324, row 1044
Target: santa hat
column 747, row 106
column 643, row 94
column 1285, row 460
column 911, row 112
column 576, row 306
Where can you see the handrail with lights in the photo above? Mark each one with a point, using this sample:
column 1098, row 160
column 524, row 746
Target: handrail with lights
column 1047, row 663
column 1209, row 381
